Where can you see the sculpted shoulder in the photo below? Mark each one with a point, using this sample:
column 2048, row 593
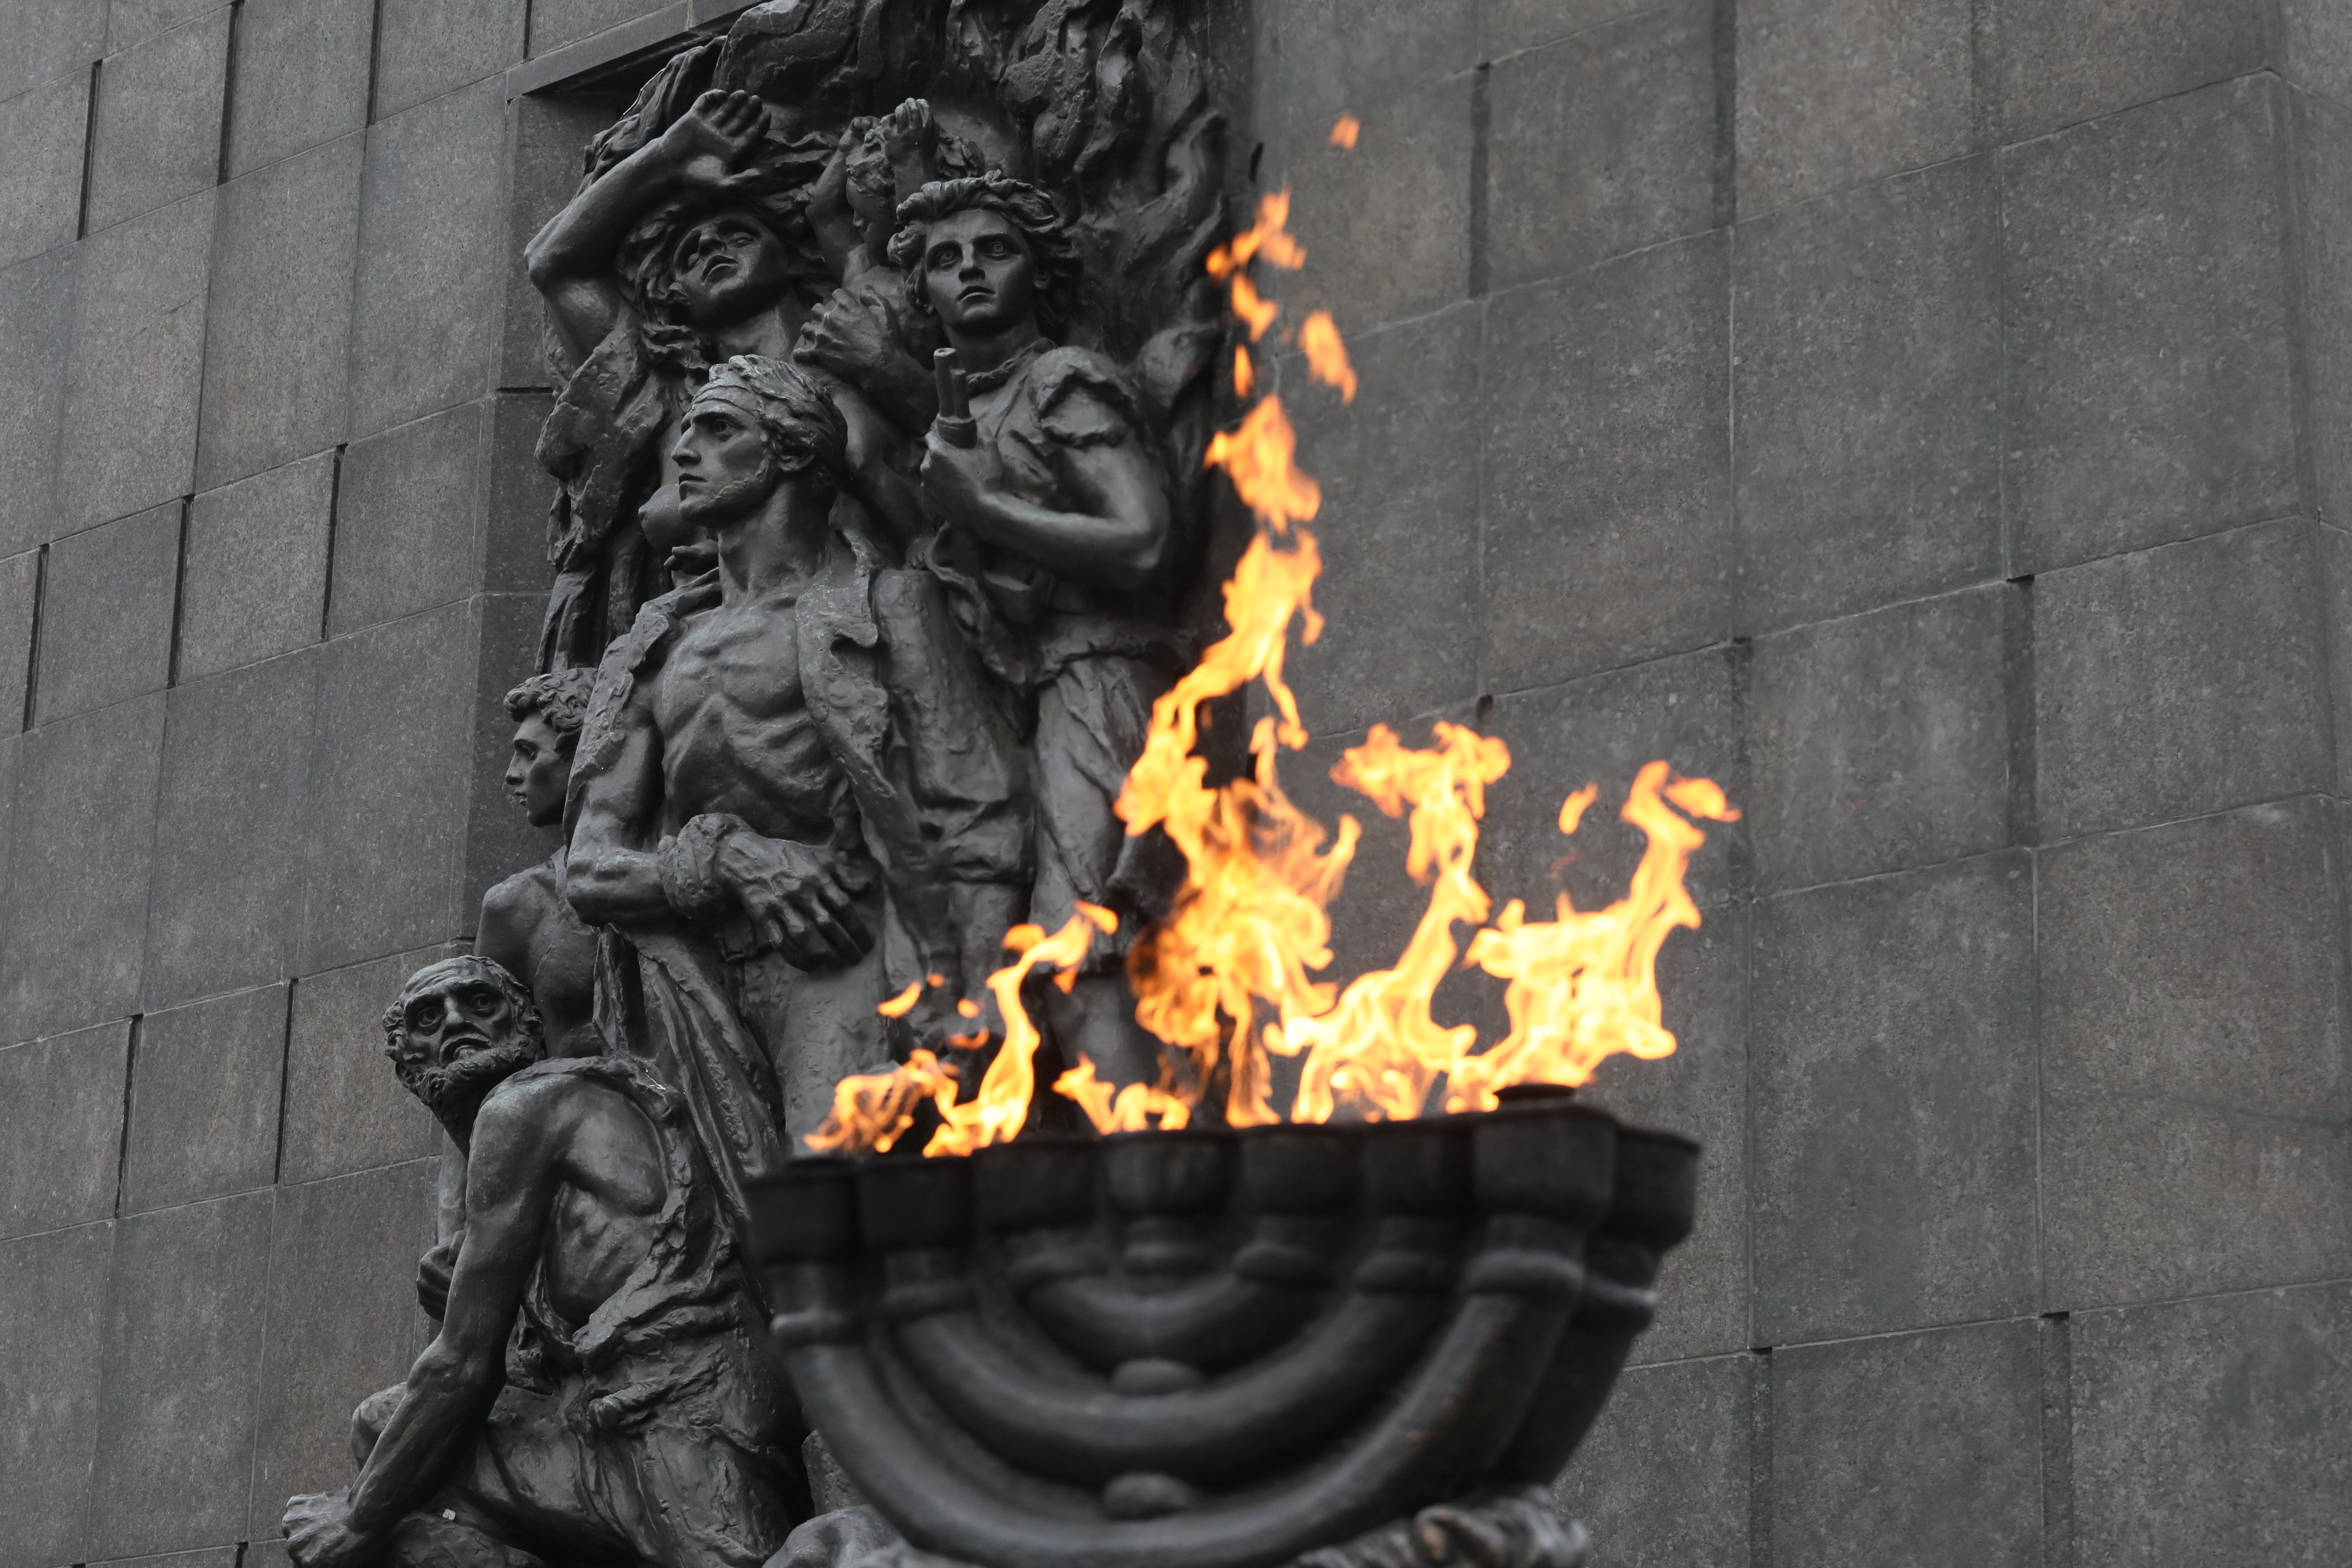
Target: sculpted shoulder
column 539, row 1102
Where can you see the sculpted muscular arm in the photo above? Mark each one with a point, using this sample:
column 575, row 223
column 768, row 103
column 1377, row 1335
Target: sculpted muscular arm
column 571, row 259
column 793, row 892
column 1119, row 537
column 521, row 1153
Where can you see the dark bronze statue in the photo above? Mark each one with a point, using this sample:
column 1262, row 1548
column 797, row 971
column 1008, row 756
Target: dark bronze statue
column 597, row 1389
column 884, row 335
column 528, row 923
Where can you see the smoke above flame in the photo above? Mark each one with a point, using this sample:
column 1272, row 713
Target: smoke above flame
column 1228, row 980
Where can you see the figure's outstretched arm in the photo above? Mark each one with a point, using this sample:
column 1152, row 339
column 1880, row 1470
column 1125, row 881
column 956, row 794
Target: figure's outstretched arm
column 570, row 260
column 1118, row 534
column 515, row 1163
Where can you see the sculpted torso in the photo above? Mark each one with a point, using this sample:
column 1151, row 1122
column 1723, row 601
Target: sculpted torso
column 601, row 1219
column 528, row 925
column 735, row 729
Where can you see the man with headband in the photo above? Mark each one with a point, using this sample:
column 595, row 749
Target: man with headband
column 763, row 753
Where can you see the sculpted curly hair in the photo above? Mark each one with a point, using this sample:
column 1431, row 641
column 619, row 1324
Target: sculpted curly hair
column 797, row 418
column 1027, row 208
column 561, row 697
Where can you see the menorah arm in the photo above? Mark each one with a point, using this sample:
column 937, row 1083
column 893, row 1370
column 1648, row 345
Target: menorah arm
column 1457, row 1408
column 1295, row 1399
column 1214, row 1321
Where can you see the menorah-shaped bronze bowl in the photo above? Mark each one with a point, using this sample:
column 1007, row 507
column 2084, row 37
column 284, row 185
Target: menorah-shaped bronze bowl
column 1211, row 1348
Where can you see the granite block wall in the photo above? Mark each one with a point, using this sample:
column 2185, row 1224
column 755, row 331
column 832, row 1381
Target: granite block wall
column 1933, row 418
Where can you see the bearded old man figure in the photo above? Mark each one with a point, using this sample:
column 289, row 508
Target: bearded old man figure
column 598, row 1390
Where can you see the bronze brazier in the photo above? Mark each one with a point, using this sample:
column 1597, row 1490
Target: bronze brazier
column 1205, row 1349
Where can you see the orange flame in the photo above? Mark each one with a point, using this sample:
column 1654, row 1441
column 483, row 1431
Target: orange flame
column 1344, row 131
column 873, row 1110
column 1327, row 356
column 1228, row 978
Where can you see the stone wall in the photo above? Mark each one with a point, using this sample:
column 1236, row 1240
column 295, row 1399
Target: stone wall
column 1926, row 417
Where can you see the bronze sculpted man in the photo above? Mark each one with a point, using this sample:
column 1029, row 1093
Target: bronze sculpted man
column 783, row 766
column 1059, row 535
column 527, row 922
column 597, row 1389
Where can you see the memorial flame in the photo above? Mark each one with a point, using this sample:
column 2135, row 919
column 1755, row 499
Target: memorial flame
column 1228, row 978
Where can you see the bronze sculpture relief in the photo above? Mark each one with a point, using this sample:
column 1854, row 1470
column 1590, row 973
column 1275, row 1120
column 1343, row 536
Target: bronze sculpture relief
column 597, row 1384
column 885, row 329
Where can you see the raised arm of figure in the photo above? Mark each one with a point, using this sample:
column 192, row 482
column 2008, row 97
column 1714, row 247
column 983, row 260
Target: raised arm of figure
column 571, row 259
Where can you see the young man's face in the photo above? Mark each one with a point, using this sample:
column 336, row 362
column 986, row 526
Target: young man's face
column 730, row 265
column 538, row 768
column 724, row 467
column 978, row 271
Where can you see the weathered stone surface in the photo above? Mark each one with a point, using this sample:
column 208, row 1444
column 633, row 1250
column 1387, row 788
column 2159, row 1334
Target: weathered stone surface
column 1351, row 53
column 48, row 1420
column 84, row 816
column 301, row 77
column 1662, row 1480
column 2195, row 1133
column 2316, row 48
column 1608, row 493
column 1835, row 95
column 557, row 22
column 1881, row 740
column 40, row 188
column 387, row 788
column 353, row 1242
column 20, row 584
column 1700, row 1092
column 1893, row 1108
column 253, row 584
column 1399, row 527
column 2179, row 680
column 1506, row 26
column 425, row 47
column 520, row 491
column 43, row 39
column 156, row 132
column 344, row 1109
column 1602, row 143
column 203, row 1101
column 227, row 905
column 1924, row 1448
column 63, row 1100
column 130, row 21
column 106, row 614
column 1682, row 710
column 1868, row 396
column 2059, row 64
column 1386, row 227
column 408, row 518
column 280, row 314
column 184, row 1340
column 2322, row 147
column 2150, row 396
column 36, row 322
column 2211, row 1429
column 499, row 838
column 137, row 321
column 425, row 311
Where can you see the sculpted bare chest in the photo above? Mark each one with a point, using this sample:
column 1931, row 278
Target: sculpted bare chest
column 604, row 1217
column 736, row 732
